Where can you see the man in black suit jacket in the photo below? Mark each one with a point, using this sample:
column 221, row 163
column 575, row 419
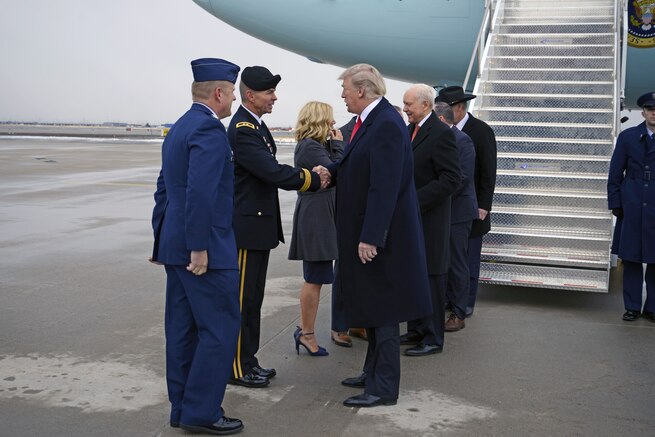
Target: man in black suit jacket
column 257, row 224
column 484, row 140
column 437, row 176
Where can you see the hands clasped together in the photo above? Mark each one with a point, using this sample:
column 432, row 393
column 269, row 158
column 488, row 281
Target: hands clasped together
column 324, row 173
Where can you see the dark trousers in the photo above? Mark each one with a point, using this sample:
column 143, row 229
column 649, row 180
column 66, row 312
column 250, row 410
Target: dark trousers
column 253, row 265
column 201, row 326
column 382, row 365
column 432, row 328
column 459, row 280
column 339, row 323
column 475, row 248
column 633, row 282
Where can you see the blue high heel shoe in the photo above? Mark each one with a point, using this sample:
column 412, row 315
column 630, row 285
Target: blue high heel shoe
column 321, row 352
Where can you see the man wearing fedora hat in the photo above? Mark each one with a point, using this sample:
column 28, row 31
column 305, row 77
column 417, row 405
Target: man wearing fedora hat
column 484, row 140
column 257, row 223
column 631, row 197
column 192, row 223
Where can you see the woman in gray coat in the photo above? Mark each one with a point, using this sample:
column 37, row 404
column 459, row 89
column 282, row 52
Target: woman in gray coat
column 314, row 236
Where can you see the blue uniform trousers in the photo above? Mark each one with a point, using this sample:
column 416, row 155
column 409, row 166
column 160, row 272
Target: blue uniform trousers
column 382, row 364
column 459, row 278
column 633, row 282
column 201, row 326
column 475, row 248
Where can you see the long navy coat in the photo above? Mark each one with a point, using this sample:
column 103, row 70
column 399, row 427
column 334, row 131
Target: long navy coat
column 194, row 197
column 630, row 186
column 377, row 204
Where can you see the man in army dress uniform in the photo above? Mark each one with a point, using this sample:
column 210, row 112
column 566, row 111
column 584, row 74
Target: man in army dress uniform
column 257, row 222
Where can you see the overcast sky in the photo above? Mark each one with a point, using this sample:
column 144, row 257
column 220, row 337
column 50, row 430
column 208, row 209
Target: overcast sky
column 94, row 61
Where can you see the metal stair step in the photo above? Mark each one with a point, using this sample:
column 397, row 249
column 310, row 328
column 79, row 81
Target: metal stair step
column 544, row 277
column 550, row 19
column 571, row 212
column 550, row 87
column 552, row 164
column 553, row 62
column 550, row 50
column 561, row 12
column 565, row 27
column 541, row 255
column 530, row 180
column 567, row 225
column 546, row 39
column 565, row 193
column 579, row 74
column 550, row 130
column 547, row 115
column 546, row 100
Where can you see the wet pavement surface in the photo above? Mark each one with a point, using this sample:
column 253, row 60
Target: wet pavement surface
column 82, row 347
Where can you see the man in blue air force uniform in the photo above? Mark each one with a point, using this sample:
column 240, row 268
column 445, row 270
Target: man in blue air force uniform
column 631, row 197
column 192, row 222
column 257, row 223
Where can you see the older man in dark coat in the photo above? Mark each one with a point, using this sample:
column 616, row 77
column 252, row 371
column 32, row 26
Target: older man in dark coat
column 382, row 271
column 631, row 196
column 436, row 176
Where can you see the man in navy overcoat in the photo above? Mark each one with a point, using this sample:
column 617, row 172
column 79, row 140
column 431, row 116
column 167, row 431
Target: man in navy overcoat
column 192, row 222
column 631, row 197
column 436, row 176
column 382, row 276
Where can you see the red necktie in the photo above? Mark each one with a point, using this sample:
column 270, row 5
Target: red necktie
column 357, row 125
column 415, row 131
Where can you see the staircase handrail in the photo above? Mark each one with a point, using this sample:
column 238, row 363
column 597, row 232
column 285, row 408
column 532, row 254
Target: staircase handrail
column 485, row 28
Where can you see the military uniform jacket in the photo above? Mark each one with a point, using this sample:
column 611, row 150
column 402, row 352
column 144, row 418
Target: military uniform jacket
column 377, row 204
column 194, row 197
column 465, row 205
column 258, row 175
column 484, row 141
column 630, row 186
column 436, row 176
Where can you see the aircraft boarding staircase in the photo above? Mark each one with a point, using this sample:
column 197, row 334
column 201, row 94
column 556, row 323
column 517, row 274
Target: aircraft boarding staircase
column 548, row 87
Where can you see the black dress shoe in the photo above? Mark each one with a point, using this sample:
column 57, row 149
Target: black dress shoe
column 648, row 315
column 265, row 373
column 175, row 424
column 251, row 380
column 356, row 381
column 422, row 350
column 366, row 400
column 630, row 315
column 410, row 338
column 224, row 426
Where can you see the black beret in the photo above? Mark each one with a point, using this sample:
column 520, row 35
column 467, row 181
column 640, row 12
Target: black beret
column 259, row 78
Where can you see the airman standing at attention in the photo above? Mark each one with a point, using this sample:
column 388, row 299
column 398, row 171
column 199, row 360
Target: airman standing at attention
column 631, row 197
column 192, row 223
column 257, row 222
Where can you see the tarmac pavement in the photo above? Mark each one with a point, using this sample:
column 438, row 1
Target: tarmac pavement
column 82, row 347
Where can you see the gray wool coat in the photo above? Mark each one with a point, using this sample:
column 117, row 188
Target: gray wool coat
column 314, row 235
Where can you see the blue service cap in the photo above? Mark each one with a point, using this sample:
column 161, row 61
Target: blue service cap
column 646, row 101
column 206, row 69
